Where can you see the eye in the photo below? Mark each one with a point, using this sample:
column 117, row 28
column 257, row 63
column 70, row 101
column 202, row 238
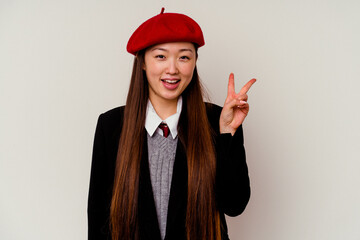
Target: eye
column 160, row 56
column 185, row 58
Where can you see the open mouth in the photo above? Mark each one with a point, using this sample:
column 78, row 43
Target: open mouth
column 171, row 81
column 171, row 84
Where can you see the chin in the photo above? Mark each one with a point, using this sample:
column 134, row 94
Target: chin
column 171, row 97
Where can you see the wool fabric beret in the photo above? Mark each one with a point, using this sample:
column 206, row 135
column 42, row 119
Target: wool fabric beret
column 163, row 28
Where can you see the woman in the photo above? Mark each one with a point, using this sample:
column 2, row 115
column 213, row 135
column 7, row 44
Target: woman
column 167, row 165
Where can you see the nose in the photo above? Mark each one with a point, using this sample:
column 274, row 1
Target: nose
column 172, row 67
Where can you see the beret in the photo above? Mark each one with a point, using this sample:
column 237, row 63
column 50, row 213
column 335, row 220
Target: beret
column 163, row 28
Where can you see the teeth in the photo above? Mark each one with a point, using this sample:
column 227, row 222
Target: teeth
column 171, row 81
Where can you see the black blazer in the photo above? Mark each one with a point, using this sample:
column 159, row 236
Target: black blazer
column 232, row 181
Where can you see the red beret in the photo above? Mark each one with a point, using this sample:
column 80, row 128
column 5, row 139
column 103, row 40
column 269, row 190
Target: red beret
column 163, row 28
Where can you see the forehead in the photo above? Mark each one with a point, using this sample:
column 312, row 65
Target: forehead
column 173, row 46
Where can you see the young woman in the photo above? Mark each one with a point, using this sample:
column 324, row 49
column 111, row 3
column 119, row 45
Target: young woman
column 167, row 165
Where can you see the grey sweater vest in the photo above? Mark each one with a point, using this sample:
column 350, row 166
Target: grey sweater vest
column 161, row 152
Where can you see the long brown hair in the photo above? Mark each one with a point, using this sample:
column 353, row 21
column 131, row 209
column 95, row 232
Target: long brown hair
column 202, row 217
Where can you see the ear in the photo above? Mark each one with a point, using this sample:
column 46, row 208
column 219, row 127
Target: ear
column 143, row 64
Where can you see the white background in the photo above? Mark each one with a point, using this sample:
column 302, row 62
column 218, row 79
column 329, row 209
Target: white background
column 62, row 63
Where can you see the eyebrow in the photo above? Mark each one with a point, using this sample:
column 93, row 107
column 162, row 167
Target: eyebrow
column 181, row 50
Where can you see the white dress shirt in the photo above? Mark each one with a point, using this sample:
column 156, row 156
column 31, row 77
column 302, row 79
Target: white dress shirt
column 152, row 120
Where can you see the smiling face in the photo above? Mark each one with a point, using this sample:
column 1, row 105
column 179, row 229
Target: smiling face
column 169, row 69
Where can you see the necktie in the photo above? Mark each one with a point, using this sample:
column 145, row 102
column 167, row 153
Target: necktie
column 165, row 128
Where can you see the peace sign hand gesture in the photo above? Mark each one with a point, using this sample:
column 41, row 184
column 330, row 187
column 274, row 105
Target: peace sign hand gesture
column 235, row 107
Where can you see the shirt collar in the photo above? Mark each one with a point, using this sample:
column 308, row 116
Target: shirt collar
column 153, row 120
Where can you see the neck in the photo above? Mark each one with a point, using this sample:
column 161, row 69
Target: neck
column 164, row 108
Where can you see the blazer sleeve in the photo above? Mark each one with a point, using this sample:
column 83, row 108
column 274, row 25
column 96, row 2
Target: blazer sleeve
column 232, row 179
column 99, row 189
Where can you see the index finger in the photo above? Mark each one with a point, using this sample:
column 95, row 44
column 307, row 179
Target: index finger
column 231, row 85
column 247, row 86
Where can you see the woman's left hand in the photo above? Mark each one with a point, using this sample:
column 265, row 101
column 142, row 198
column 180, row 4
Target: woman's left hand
column 235, row 107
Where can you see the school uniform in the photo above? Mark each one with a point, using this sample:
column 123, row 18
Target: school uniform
column 232, row 181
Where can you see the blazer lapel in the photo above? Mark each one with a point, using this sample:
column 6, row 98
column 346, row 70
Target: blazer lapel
column 148, row 223
column 175, row 225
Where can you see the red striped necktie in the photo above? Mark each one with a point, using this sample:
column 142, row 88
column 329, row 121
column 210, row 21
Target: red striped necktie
column 165, row 128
